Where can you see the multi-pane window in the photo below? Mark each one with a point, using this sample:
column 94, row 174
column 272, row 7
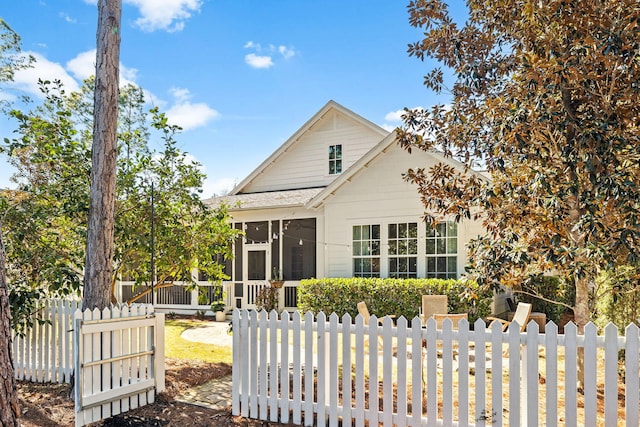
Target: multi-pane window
column 366, row 250
column 442, row 250
column 403, row 250
column 335, row 159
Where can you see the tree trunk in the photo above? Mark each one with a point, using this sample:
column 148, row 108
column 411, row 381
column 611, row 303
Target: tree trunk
column 9, row 411
column 100, row 227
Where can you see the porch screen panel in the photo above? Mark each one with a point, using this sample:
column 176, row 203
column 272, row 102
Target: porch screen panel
column 238, row 254
column 299, row 249
column 275, row 246
column 257, row 232
column 256, row 265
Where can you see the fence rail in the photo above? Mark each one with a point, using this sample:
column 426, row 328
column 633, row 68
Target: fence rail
column 325, row 371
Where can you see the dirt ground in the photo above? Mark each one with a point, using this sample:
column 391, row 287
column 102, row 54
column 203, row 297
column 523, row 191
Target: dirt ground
column 49, row 405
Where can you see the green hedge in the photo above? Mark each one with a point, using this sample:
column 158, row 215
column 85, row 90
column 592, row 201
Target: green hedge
column 399, row 297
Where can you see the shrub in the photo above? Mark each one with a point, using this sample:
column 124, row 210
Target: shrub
column 267, row 299
column 399, row 297
column 618, row 298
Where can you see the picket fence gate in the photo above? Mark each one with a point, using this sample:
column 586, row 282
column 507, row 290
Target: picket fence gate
column 117, row 355
column 324, row 372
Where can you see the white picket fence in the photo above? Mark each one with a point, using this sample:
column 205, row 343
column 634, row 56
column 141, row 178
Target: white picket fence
column 45, row 352
column 117, row 355
column 319, row 372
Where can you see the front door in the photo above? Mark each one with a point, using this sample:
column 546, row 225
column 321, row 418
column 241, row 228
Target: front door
column 255, row 270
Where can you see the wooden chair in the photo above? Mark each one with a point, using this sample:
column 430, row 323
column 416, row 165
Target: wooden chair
column 521, row 317
column 455, row 318
column 366, row 316
column 433, row 304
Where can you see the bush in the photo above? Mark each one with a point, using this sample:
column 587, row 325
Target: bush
column 267, row 299
column 618, row 299
column 399, row 297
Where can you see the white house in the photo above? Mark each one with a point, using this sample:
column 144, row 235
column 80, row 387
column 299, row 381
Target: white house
column 331, row 202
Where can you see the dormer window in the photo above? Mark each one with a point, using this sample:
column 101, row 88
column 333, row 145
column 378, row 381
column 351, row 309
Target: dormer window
column 335, row 159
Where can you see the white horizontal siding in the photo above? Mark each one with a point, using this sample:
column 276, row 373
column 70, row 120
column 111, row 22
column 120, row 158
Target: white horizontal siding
column 305, row 164
column 378, row 195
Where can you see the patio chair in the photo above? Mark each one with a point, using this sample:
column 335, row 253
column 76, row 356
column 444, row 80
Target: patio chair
column 455, row 318
column 521, row 317
column 433, row 304
column 364, row 312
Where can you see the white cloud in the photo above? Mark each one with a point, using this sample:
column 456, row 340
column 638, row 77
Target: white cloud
column 394, row 116
column 189, row 115
column 67, row 18
column 168, row 15
column 27, row 79
column 393, row 119
column 217, row 187
column 286, row 52
column 180, row 94
column 152, row 99
column 84, row 65
column 263, row 57
column 258, row 61
column 211, row 187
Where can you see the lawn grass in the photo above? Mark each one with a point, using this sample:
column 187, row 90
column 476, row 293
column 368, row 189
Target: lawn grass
column 177, row 347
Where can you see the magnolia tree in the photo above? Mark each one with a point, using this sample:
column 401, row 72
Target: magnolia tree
column 545, row 98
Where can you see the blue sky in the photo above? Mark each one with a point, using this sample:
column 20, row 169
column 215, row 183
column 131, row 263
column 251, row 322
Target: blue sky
column 239, row 76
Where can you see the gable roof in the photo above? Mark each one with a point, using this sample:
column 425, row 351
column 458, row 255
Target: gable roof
column 286, row 146
column 364, row 162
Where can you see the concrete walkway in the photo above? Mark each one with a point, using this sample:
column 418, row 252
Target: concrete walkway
column 215, row 394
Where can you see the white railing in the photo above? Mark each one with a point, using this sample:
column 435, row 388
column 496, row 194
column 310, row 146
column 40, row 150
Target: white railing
column 315, row 372
column 176, row 297
column 45, row 352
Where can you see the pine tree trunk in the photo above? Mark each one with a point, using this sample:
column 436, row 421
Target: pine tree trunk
column 9, row 411
column 100, row 227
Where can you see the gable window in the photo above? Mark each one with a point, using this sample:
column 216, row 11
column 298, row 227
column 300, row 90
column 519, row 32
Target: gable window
column 403, row 250
column 366, row 250
column 442, row 250
column 335, row 159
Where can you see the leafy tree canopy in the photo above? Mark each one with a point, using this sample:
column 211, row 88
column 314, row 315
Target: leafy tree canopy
column 11, row 59
column 46, row 216
column 545, row 97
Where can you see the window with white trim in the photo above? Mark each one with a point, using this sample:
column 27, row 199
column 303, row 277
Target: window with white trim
column 403, row 250
column 366, row 250
column 335, row 159
column 442, row 250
